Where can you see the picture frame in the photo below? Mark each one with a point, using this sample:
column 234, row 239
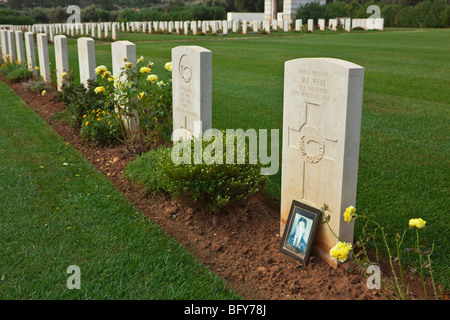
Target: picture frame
column 299, row 232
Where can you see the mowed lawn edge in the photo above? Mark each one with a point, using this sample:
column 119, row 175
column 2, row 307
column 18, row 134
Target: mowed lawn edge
column 57, row 210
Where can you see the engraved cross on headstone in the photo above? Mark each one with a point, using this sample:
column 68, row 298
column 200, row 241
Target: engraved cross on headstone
column 186, row 132
column 316, row 139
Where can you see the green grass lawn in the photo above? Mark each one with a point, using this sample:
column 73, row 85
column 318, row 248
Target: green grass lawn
column 404, row 155
column 57, row 210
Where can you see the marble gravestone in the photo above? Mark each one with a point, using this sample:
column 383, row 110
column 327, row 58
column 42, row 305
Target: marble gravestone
column 124, row 52
column 192, row 91
column 44, row 62
column 30, row 52
column 321, row 134
column 86, row 60
column 61, row 59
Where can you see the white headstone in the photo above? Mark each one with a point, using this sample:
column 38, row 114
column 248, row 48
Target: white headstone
column 310, row 25
column 31, row 53
column 44, row 62
column 321, row 135
column 321, row 24
column 244, row 27
column 86, row 58
column 225, row 27
column 286, row 25
column 106, row 31
column 11, row 46
column 20, row 47
column 298, row 25
column 99, row 31
column 114, row 32
column 121, row 53
column 4, row 43
column 61, row 59
column 347, row 24
column 192, row 90
column 124, row 52
column 266, row 25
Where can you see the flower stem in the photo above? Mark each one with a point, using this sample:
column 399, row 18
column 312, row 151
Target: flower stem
column 421, row 264
column 397, row 287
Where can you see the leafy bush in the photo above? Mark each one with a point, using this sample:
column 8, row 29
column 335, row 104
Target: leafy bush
column 425, row 14
column 312, row 10
column 144, row 171
column 101, row 126
column 143, row 102
column 78, row 100
column 209, row 186
column 19, row 75
column 36, row 85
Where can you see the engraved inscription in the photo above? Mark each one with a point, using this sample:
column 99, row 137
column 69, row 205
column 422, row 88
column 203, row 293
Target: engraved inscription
column 185, row 97
column 312, row 144
column 313, row 85
column 185, row 69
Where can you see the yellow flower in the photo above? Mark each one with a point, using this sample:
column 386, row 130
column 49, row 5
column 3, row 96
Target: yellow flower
column 99, row 89
column 152, row 78
column 106, row 74
column 44, row 92
column 160, row 83
column 87, row 122
column 349, row 214
column 36, row 68
column 128, row 65
column 110, row 79
column 84, row 116
column 145, row 70
column 63, row 74
column 101, row 69
column 140, row 59
column 168, row 66
column 118, row 117
column 141, row 95
column 417, row 223
column 340, row 251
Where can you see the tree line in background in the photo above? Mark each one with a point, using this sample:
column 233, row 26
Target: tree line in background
column 403, row 13
column 396, row 13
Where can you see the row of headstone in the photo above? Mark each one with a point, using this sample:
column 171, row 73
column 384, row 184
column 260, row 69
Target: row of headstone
column 96, row 30
column 109, row 29
column 368, row 24
column 321, row 118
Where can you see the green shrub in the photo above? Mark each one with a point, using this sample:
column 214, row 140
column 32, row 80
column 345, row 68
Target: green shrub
column 19, row 75
column 144, row 171
column 208, row 186
column 78, row 100
column 101, row 126
column 37, row 85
